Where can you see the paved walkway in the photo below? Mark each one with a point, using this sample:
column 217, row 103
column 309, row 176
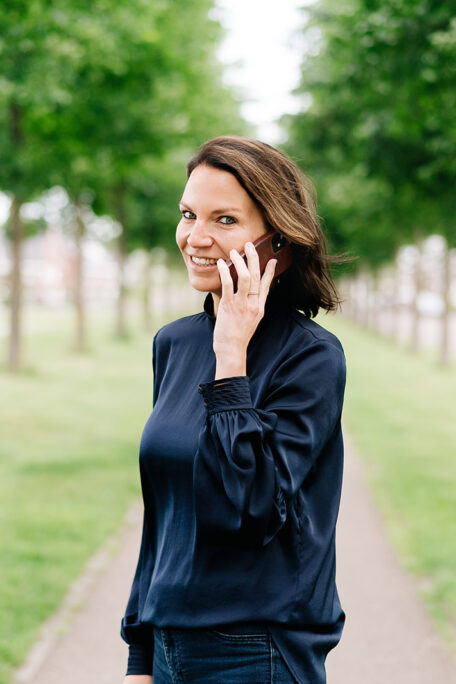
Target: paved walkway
column 388, row 638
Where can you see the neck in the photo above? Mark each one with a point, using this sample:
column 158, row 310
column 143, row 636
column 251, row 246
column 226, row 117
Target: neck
column 216, row 300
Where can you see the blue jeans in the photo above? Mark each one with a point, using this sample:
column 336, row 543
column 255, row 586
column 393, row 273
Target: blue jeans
column 226, row 655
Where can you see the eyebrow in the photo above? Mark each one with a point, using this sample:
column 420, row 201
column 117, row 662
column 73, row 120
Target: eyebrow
column 223, row 210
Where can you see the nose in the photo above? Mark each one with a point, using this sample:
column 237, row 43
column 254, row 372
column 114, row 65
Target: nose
column 199, row 236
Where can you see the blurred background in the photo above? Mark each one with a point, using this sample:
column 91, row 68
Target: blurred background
column 101, row 106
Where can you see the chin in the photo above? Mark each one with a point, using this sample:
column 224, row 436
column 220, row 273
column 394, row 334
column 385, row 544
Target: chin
column 198, row 284
column 201, row 288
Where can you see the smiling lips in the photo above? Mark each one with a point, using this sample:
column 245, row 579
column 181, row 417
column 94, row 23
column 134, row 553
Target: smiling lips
column 202, row 261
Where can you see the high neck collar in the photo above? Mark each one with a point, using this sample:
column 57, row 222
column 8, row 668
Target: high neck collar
column 273, row 301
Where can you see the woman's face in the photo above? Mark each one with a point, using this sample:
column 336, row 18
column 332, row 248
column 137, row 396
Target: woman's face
column 217, row 216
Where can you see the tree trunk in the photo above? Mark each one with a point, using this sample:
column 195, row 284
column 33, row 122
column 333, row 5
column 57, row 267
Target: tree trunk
column 121, row 317
column 350, row 310
column 347, row 304
column 395, row 308
column 446, row 313
column 369, row 299
column 14, row 362
column 147, row 285
column 375, row 308
column 381, row 303
column 81, row 328
column 416, row 318
column 358, row 299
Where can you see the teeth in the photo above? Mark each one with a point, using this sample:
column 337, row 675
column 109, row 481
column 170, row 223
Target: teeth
column 203, row 262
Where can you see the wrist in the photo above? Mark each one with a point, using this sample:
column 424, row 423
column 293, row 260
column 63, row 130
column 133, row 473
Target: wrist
column 230, row 365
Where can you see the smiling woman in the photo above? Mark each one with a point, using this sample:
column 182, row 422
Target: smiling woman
column 241, row 457
column 209, row 231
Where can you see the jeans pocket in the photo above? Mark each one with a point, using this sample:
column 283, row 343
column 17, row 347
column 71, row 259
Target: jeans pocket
column 240, row 637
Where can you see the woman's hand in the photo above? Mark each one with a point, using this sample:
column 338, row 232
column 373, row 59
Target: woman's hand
column 138, row 679
column 239, row 313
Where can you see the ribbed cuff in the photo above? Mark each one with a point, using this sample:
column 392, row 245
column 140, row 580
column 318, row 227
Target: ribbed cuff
column 140, row 660
column 226, row 393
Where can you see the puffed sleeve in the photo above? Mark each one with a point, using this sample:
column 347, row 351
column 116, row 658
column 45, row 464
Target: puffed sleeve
column 138, row 636
column 251, row 461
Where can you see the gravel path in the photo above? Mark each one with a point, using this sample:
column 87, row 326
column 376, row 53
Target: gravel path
column 388, row 638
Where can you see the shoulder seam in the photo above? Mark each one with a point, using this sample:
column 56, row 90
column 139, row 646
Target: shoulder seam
column 316, row 337
column 179, row 320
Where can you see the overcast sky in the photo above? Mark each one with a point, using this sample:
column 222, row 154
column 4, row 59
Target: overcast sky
column 264, row 50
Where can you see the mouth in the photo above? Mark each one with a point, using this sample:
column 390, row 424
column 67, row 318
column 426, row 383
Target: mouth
column 203, row 264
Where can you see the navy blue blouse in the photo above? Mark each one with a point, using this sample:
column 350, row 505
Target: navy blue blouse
column 241, row 480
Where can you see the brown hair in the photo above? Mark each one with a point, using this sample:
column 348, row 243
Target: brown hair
column 286, row 198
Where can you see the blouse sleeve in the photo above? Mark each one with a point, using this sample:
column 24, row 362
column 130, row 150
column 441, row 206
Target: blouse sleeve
column 154, row 369
column 140, row 639
column 251, row 461
column 137, row 636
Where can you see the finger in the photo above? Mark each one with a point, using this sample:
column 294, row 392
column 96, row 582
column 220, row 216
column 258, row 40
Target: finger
column 267, row 279
column 253, row 263
column 242, row 271
column 225, row 279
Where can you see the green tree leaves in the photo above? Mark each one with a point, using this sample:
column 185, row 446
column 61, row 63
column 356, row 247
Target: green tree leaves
column 108, row 100
column 380, row 133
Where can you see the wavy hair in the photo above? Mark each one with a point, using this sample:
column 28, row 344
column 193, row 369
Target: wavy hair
column 287, row 200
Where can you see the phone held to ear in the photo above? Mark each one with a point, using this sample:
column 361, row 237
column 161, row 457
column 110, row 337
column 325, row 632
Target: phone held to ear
column 271, row 245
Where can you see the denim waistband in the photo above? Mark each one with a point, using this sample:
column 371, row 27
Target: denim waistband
column 231, row 628
column 242, row 628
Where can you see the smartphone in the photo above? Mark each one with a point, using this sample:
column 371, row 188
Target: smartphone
column 271, row 245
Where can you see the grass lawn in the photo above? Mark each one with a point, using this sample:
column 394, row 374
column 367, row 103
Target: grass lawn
column 400, row 412
column 70, row 428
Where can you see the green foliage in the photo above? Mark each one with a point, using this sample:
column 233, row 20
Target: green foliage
column 153, row 201
column 95, row 95
column 379, row 136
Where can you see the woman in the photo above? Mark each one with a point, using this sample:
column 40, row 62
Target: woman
column 241, row 458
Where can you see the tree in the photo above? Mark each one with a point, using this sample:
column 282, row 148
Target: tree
column 166, row 116
column 93, row 92
column 28, row 55
column 379, row 135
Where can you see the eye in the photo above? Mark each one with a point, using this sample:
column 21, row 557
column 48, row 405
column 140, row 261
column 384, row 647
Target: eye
column 227, row 220
column 188, row 214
